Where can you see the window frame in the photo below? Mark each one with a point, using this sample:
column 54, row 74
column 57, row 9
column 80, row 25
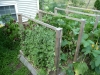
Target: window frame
column 9, row 3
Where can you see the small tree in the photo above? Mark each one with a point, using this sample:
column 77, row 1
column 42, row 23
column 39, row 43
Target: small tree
column 97, row 4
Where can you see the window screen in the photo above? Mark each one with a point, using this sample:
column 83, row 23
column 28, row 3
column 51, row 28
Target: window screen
column 8, row 10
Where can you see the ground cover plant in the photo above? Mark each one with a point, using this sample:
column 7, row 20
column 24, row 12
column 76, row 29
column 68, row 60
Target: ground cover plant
column 88, row 62
column 9, row 49
column 38, row 44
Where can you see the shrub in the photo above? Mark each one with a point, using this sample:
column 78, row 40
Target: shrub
column 10, row 35
column 97, row 4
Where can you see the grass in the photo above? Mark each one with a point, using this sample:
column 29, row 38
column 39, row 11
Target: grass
column 9, row 62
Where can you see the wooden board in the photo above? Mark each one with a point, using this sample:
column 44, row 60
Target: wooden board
column 27, row 64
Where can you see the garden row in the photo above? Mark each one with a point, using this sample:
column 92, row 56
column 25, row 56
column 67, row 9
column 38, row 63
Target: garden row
column 41, row 41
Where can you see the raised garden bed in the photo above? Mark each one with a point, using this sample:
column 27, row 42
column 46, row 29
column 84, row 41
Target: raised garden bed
column 26, row 63
column 88, row 45
column 53, row 45
column 30, row 67
column 83, row 64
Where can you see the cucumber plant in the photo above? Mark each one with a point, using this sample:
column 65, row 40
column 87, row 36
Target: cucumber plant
column 89, row 50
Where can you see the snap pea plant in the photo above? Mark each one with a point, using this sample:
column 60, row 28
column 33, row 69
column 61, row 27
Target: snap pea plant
column 38, row 43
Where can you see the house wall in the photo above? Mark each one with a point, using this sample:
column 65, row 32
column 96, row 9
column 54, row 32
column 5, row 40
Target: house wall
column 25, row 7
column 28, row 8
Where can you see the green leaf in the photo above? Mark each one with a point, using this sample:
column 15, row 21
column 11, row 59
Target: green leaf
column 96, row 32
column 64, row 57
column 85, row 36
column 86, row 50
column 76, row 31
column 95, row 53
column 80, row 68
column 69, row 72
column 87, row 43
column 97, row 61
column 90, row 41
column 97, row 70
column 92, row 63
column 61, row 22
column 64, row 43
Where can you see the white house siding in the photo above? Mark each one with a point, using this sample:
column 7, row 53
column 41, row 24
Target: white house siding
column 28, row 8
column 25, row 7
column 9, row 2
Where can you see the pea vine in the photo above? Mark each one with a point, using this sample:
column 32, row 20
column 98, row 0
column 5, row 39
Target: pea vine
column 38, row 43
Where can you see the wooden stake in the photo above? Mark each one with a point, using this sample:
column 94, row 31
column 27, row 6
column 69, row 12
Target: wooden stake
column 96, row 21
column 79, row 40
column 20, row 18
column 40, row 16
column 57, row 49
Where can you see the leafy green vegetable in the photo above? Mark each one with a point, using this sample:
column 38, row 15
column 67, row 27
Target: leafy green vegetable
column 38, row 44
column 80, row 68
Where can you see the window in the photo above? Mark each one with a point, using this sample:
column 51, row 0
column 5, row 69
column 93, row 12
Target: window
column 8, row 10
